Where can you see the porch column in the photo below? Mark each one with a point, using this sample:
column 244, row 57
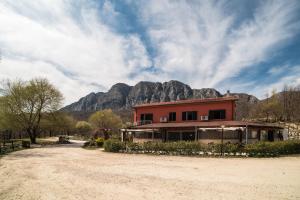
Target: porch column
column 196, row 133
column 122, row 136
column 166, row 135
column 247, row 134
column 180, row 135
column 152, row 134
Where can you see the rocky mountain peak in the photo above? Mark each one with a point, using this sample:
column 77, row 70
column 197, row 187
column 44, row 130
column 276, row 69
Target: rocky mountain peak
column 119, row 87
column 206, row 93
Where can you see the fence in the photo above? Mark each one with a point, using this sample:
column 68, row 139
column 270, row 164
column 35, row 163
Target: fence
column 10, row 141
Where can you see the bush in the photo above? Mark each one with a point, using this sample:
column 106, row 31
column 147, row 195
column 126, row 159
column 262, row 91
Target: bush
column 113, row 145
column 260, row 149
column 94, row 142
column 177, row 148
column 266, row 149
column 99, row 142
column 232, row 148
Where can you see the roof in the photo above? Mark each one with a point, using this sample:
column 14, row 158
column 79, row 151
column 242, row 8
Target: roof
column 208, row 124
column 189, row 101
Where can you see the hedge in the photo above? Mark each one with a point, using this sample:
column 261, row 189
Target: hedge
column 260, row 149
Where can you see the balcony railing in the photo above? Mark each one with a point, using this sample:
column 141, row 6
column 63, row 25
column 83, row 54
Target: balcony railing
column 143, row 122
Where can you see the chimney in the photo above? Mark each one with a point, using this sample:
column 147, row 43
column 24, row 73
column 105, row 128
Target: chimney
column 228, row 93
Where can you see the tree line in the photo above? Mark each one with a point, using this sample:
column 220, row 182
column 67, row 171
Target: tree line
column 282, row 106
column 33, row 107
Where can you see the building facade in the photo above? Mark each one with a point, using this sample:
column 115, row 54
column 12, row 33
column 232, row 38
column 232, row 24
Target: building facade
column 205, row 120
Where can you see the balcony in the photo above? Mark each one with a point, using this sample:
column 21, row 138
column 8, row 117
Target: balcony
column 142, row 122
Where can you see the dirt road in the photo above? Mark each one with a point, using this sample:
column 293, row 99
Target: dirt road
column 70, row 172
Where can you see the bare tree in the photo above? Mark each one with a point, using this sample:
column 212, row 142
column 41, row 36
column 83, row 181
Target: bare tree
column 291, row 103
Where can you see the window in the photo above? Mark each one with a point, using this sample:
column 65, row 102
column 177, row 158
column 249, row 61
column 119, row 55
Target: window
column 157, row 135
column 146, row 118
column 253, row 134
column 143, row 135
column 172, row 116
column 173, row 136
column 147, row 135
column 189, row 115
column 188, row 136
column 209, row 134
column 217, row 114
column 264, row 135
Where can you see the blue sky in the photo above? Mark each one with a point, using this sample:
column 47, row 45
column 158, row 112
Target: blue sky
column 87, row 45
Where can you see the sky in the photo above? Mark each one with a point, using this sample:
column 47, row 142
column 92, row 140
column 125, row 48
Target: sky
column 85, row 46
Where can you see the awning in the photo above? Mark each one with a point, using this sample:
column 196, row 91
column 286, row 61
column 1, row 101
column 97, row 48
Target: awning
column 138, row 130
column 225, row 129
column 208, row 124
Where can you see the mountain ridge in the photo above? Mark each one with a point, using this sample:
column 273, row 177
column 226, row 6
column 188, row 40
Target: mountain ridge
column 122, row 96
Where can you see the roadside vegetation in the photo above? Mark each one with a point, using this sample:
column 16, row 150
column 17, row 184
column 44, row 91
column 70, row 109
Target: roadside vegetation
column 105, row 125
column 25, row 104
column 260, row 149
column 280, row 107
column 29, row 111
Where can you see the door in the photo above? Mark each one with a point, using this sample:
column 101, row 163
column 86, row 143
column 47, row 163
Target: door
column 271, row 135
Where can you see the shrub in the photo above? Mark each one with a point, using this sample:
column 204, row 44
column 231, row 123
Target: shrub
column 263, row 149
column 180, row 148
column 94, row 142
column 135, row 147
column 99, row 142
column 260, row 149
column 113, row 145
column 232, row 148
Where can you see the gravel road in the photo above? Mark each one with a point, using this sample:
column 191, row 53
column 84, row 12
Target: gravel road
column 70, row 172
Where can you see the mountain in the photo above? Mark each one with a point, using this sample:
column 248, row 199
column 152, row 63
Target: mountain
column 244, row 104
column 122, row 96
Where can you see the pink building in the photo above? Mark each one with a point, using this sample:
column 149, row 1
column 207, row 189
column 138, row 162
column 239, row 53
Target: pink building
column 203, row 120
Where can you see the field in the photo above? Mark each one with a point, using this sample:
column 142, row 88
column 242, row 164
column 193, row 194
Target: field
column 70, row 172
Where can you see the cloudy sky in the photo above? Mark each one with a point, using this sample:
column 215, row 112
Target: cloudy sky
column 87, row 45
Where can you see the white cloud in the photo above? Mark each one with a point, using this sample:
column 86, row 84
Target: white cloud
column 278, row 70
column 205, row 44
column 292, row 78
column 52, row 40
column 202, row 43
column 20, row 68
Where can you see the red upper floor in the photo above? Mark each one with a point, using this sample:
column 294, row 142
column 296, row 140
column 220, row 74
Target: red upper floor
column 186, row 110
